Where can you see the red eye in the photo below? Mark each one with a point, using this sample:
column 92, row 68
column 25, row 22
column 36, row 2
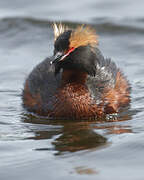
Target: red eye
column 67, row 53
column 70, row 50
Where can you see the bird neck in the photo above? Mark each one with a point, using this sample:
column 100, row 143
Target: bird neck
column 73, row 76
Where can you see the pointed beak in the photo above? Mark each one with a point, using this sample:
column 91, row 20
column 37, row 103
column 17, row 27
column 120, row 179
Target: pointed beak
column 57, row 57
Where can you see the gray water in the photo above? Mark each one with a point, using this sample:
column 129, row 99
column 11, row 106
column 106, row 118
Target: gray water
column 34, row 148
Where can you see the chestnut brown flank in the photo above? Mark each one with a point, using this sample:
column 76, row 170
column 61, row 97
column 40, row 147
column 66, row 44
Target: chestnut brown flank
column 118, row 96
column 74, row 99
column 32, row 102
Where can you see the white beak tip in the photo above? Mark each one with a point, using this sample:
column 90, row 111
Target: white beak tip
column 51, row 62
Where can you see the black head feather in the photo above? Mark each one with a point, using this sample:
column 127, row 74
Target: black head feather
column 83, row 58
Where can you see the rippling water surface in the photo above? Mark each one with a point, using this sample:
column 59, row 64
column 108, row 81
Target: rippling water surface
column 37, row 148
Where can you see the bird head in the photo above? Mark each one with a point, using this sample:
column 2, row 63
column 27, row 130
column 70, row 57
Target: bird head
column 74, row 48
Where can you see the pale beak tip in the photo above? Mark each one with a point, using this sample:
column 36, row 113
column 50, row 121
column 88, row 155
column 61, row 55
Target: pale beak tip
column 51, row 62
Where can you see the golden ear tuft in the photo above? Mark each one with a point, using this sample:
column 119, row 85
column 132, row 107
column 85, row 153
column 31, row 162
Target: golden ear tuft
column 83, row 36
column 58, row 29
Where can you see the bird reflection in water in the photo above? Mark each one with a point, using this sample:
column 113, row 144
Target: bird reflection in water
column 72, row 136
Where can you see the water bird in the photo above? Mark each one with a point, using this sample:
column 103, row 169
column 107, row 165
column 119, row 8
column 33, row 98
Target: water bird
column 77, row 82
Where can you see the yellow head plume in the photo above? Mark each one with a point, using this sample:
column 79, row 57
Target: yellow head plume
column 58, row 29
column 83, row 36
